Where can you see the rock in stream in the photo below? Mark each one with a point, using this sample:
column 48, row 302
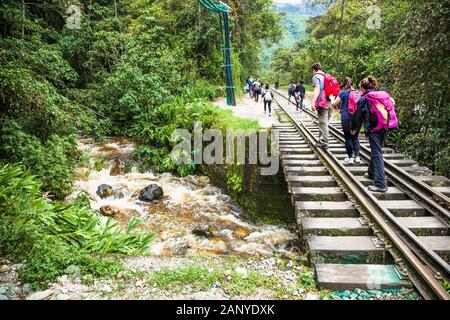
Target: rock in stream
column 151, row 192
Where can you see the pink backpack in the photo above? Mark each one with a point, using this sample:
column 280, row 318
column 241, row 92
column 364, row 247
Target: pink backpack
column 380, row 104
column 331, row 85
column 353, row 99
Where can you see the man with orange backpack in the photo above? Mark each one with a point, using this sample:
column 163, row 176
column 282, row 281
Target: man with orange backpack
column 377, row 110
column 325, row 87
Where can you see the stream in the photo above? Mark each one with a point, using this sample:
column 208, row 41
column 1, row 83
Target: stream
column 193, row 217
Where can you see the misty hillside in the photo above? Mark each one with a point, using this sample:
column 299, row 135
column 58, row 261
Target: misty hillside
column 294, row 24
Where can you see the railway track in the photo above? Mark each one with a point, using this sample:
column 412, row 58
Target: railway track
column 359, row 239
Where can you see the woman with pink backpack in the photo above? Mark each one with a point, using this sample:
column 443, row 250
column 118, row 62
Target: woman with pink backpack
column 376, row 109
column 347, row 102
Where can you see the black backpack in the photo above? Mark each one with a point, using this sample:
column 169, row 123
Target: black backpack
column 292, row 88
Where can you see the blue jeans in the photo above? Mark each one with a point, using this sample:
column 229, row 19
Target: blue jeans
column 351, row 141
column 376, row 166
column 300, row 102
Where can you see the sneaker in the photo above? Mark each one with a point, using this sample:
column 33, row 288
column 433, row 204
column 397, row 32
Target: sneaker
column 376, row 189
column 319, row 144
column 348, row 161
column 270, row 114
column 357, row 160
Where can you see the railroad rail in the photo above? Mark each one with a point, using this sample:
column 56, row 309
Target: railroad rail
column 359, row 239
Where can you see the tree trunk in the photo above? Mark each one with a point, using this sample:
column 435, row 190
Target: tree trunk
column 23, row 17
column 340, row 35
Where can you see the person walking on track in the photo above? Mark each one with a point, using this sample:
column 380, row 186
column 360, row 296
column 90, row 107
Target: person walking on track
column 268, row 97
column 377, row 110
column 347, row 104
column 300, row 92
column 250, row 86
column 321, row 105
column 256, row 90
column 291, row 90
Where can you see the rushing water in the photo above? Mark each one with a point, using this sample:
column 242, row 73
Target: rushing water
column 193, row 218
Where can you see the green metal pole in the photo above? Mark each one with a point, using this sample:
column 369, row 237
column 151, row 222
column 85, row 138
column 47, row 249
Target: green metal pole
column 231, row 98
column 223, row 10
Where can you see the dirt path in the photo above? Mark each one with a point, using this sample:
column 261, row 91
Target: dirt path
column 249, row 109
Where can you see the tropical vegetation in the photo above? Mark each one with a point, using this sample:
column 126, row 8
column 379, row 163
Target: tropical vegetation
column 405, row 47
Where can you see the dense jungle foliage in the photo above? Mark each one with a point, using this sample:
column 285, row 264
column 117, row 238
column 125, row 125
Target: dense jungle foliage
column 138, row 68
column 135, row 68
column 409, row 54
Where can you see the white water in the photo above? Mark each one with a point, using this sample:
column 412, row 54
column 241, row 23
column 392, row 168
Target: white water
column 188, row 203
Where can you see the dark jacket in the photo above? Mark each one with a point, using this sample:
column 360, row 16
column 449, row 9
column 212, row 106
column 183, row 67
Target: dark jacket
column 363, row 115
column 301, row 90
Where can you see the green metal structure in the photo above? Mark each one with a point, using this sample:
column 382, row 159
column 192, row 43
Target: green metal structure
column 223, row 10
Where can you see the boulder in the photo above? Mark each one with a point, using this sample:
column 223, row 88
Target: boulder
column 205, row 231
column 104, row 191
column 151, row 192
column 118, row 194
column 109, row 211
column 4, row 268
column 116, row 169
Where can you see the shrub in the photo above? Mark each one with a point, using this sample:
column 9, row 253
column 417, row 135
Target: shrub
column 52, row 236
column 50, row 258
column 52, row 161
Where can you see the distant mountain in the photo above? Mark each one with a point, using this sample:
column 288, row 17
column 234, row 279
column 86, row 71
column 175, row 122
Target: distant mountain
column 294, row 24
column 299, row 9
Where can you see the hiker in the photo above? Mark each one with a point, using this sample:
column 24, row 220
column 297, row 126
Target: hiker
column 321, row 104
column 277, row 84
column 250, row 86
column 347, row 102
column 377, row 110
column 247, row 87
column 300, row 92
column 256, row 90
column 263, row 88
column 291, row 90
column 268, row 97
